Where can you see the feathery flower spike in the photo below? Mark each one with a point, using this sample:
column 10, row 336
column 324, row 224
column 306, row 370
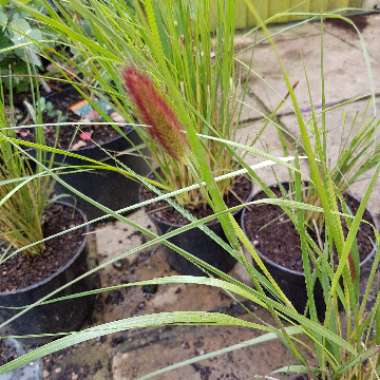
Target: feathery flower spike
column 153, row 110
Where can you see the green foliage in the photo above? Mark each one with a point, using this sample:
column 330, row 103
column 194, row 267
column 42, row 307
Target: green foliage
column 344, row 345
column 47, row 108
column 330, row 262
column 17, row 50
column 171, row 43
column 24, row 191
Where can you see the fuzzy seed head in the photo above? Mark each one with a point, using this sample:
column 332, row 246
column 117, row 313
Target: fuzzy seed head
column 153, row 110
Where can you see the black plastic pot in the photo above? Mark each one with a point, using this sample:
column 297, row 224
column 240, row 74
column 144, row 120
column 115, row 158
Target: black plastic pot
column 109, row 188
column 32, row 371
column 292, row 282
column 198, row 244
column 68, row 315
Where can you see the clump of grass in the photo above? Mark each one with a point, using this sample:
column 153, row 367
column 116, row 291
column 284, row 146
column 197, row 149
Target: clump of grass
column 186, row 49
column 343, row 345
column 354, row 354
column 358, row 155
column 24, row 190
column 193, row 61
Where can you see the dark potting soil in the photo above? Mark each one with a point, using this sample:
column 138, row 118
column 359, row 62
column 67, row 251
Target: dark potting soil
column 274, row 235
column 70, row 137
column 239, row 192
column 24, row 270
column 7, row 352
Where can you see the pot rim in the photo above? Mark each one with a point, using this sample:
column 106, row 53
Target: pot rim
column 63, row 267
column 291, row 271
column 82, row 151
column 129, row 130
column 128, row 126
column 178, row 225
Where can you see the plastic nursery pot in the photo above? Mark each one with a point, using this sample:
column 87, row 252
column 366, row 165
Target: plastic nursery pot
column 292, row 282
column 32, row 371
column 195, row 242
column 109, row 188
column 61, row 316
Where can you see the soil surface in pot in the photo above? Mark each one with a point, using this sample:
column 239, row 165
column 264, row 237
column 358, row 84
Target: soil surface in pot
column 24, row 270
column 239, row 192
column 273, row 234
column 7, row 352
column 69, row 136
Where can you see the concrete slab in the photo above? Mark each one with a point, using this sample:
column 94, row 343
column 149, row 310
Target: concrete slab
column 346, row 74
column 187, row 343
column 252, row 110
column 111, row 238
column 245, row 45
column 280, row 32
column 369, row 27
column 371, row 4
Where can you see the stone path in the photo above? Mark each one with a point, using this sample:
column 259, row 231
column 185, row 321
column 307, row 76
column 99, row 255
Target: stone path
column 130, row 355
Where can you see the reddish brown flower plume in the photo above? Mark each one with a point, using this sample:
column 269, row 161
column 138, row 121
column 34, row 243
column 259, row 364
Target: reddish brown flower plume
column 153, row 110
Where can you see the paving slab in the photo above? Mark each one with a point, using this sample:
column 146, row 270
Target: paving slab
column 346, row 74
column 369, row 27
column 111, row 237
column 246, row 363
column 371, row 4
column 253, row 108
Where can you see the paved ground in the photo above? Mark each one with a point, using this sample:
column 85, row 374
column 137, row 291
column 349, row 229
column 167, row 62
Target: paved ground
column 128, row 356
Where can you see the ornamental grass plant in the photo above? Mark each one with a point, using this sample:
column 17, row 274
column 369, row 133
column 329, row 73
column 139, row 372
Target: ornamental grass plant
column 344, row 344
column 186, row 49
column 334, row 259
column 24, row 190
